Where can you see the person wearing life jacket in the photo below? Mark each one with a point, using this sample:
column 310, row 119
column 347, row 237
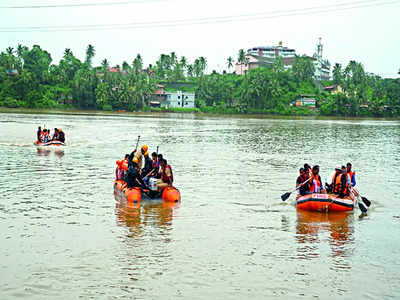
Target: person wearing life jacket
column 55, row 135
column 302, row 189
column 39, row 133
column 307, row 170
column 167, row 177
column 132, row 176
column 316, row 182
column 61, row 135
column 339, row 182
column 350, row 175
column 45, row 136
column 148, row 167
column 119, row 172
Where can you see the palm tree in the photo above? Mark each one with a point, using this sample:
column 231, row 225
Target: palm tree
column 137, row 64
column 90, row 52
column 183, row 62
column 203, row 64
column 230, row 62
column 67, row 52
column 241, row 59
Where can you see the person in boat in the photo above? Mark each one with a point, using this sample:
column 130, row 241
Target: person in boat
column 139, row 155
column 132, row 176
column 307, row 170
column 316, row 182
column 39, row 133
column 61, row 135
column 159, row 159
column 350, row 175
column 302, row 189
column 119, row 172
column 339, row 182
column 148, row 167
column 55, row 135
column 45, row 136
column 167, row 177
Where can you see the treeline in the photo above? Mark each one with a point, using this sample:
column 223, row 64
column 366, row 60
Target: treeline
column 29, row 79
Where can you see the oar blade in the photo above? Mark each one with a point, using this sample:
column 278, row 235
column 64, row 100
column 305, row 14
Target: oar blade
column 366, row 201
column 285, row 196
column 362, row 207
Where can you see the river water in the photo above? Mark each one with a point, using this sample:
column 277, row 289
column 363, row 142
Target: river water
column 64, row 236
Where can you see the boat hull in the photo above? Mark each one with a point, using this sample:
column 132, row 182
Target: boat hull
column 136, row 195
column 51, row 143
column 325, row 202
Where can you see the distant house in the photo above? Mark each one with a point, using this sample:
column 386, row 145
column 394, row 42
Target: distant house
column 180, row 99
column 158, row 98
column 333, row 89
column 12, row 72
column 305, row 101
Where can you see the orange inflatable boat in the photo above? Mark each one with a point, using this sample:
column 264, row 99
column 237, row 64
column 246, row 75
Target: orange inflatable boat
column 325, row 202
column 136, row 194
column 51, row 143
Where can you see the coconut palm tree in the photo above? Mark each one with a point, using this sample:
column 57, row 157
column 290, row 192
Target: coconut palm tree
column 90, row 52
column 230, row 62
column 67, row 52
column 241, row 59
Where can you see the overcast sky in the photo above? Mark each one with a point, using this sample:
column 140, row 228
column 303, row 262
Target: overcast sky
column 365, row 31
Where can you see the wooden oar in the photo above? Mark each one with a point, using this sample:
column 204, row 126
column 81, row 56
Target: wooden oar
column 137, row 143
column 287, row 195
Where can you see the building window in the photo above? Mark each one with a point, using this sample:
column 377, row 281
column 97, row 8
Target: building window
column 179, row 97
column 186, row 102
column 179, row 103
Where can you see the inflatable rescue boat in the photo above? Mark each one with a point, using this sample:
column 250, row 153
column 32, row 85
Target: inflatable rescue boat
column 51, row 143
column 325, row 202
column 136, row 194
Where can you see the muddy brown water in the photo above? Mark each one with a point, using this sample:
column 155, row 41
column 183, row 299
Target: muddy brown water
column 63, row 235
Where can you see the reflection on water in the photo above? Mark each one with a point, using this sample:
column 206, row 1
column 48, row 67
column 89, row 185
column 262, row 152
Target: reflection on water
column 148, row 213
column 312, row 229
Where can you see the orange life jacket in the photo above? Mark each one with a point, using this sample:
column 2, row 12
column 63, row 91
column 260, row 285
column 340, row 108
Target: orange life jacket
column 315, row 184
column 337, row 184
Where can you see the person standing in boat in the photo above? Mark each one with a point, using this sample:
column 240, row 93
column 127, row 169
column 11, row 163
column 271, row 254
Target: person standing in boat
column 132, row 176
column 301, row 187
column 167, row 177
column 339, row 182
column 39, row 133
column 316, row 182
column 350, row 175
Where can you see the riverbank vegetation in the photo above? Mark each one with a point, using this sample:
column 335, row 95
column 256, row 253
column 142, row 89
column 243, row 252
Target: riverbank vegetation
column 30, row 79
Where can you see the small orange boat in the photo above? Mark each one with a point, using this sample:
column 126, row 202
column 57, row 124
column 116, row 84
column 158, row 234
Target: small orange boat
column 51, row 143
column 136, row 194
column 325, row 202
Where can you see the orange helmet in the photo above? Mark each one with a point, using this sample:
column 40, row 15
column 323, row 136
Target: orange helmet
column 145, row 148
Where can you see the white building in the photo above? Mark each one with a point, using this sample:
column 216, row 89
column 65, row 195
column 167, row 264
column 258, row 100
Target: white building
column 322, row 67
column 180, row 99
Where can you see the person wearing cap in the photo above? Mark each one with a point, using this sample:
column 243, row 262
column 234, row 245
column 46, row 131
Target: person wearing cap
column 302, row 188
column 350, row 175
column 139, row 155
column 339, row 182
column 316, row 182
column 132, row 176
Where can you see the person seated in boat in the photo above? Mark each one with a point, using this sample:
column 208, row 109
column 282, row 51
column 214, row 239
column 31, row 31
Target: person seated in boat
column 39, row 133
column 132, row 176
column 307, row 170
column 119, row 172
column 302, row 187
column 61, row 135
column 45, row 136
column 316, row 182
column 148, row 167
column 155, row 165
column 339, row 182
column 167, row 177
column 159, row 159
column 350, row 175
column 55, row 135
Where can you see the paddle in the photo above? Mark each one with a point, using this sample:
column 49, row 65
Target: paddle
column 364, row 199
column 287, row 195
column 137, row 143
column 360, row 204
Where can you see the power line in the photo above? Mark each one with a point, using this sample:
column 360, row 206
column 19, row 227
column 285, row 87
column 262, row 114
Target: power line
column 81, row 4
column 207, row 20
